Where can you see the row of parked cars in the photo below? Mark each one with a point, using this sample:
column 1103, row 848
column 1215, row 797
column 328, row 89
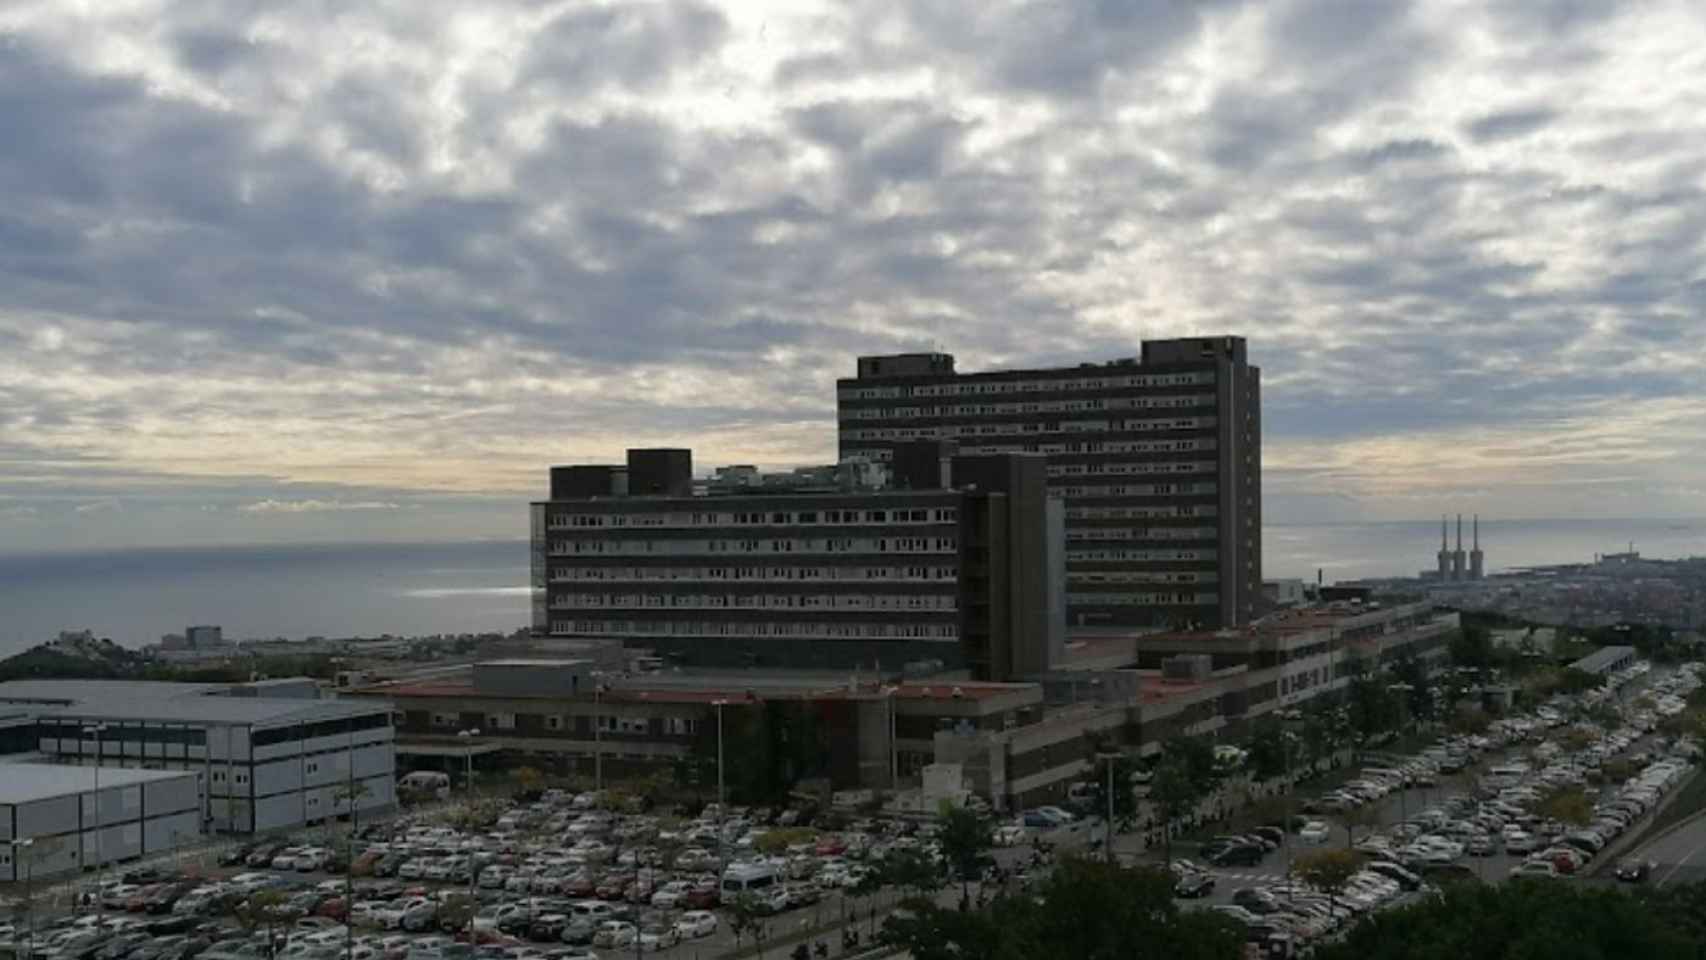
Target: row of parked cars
column 1507, row 814
column 1286, row 917
column 558, row 873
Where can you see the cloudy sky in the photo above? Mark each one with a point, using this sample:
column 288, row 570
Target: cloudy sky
column 364, row 268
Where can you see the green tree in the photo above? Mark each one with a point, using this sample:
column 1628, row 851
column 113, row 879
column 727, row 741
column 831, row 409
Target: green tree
column 1125, row 800
column 1084, row 911
column 1174, row 795
column 1267, row 748
column 910, row 869
column 1569, row 806
column 744, row 920
column 456, row 912
column 1519, row 920
column 1197, row 757
column 1328, row 871
column 263, row 910
column 527, row 780
column 1471, row 647
column 966, row 840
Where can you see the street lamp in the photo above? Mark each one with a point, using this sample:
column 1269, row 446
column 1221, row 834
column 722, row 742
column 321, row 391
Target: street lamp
column 597, row 736
column 722, row 800
column 1403, row 692
column 94, row 730
column 894, row 746
column 1108, row 830
column 468, row 755
column 29, row 883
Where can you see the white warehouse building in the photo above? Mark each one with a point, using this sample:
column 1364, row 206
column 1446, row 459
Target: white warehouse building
column 266, row 756
column 52, row 807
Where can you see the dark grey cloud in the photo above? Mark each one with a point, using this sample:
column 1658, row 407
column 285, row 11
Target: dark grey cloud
column 1510, row 124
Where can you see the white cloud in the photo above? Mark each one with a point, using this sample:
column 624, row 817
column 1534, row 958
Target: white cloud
column 391, row 255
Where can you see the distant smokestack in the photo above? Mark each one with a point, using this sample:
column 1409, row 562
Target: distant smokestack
column 1477, row 559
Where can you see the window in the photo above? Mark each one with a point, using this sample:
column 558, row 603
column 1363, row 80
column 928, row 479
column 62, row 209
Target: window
column 500, row 721
column 446, row 719
column 553, row 722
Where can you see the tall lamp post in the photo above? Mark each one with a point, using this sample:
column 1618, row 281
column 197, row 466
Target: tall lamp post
column 1403, row 692
column 894, row 747
column 597, row 734
column 468, row 736
column 722, row 799
column 1108, row 831
column 29, row 887
column 94, row 730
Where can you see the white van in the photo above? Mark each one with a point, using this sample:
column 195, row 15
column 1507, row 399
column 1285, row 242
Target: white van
column 424, row 784
column 749, row 877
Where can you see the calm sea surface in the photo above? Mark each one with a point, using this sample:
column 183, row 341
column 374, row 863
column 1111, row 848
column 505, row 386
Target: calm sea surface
column 134, row 596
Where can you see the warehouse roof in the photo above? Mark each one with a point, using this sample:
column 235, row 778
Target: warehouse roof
column 27, row 782
column 171, row 702
column 1601, row 660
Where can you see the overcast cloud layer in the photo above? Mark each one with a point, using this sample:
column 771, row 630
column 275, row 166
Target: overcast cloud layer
column 351, row 269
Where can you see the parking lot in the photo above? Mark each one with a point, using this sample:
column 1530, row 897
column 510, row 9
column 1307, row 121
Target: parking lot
column 560, row 878
column 1468, row 807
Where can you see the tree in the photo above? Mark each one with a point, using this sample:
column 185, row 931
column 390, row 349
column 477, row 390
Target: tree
column 1174, row 794
column 263, row 909
column 1125, row 801
column 527, row 781
column 911, row 869
column 1367, row 815
column 1083, row 911
column 1268, row 751
column 743, row 917
column 966, row 840
column 1328, row 871
column 1520, row 920
column 1471, row 647
column 1567, row 806
column 456, row 912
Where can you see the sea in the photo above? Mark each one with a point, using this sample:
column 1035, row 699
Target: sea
column 369, row 590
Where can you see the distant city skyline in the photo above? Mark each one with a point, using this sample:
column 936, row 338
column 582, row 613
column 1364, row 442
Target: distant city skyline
column 276, row 276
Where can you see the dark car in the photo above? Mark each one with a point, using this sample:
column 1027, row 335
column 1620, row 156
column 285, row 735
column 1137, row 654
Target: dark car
column 1273, row 835
column 1634, row 870
column 1237, row 854
column 1193, row 885
column 236, row 856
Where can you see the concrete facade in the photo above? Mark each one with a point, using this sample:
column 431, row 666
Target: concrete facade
column 958, row 576
column 1157, row 457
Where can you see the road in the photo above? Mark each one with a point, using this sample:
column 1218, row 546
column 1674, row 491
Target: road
column 1679, row 854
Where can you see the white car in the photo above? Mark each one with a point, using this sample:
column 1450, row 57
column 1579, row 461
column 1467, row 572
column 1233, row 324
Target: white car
column 696, row 923
column 1520, row 841
column 1315, row 832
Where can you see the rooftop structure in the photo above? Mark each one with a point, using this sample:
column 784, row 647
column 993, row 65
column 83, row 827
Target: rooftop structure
column 1605, row 660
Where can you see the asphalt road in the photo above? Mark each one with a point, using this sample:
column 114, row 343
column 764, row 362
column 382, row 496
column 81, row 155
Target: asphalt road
column 1680, row 854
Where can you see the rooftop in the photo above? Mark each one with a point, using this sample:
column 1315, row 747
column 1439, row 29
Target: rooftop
column 1601, row 660
column 26, row 782
column 169, row 702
